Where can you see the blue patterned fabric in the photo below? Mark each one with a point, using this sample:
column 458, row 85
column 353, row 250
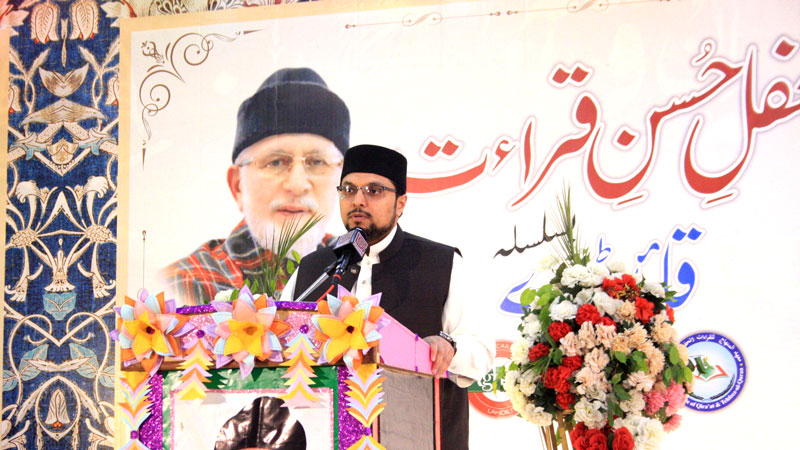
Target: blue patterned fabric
column 61, row 228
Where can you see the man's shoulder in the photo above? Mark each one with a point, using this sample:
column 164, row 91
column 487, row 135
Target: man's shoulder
column 426, row 243
column 320, row 254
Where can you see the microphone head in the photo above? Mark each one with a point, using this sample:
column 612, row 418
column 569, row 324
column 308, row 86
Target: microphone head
column 353, row 242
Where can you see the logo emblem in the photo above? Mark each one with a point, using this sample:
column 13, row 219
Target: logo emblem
column 481, row 395
column 719, row 371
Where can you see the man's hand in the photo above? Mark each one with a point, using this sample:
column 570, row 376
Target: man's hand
column 441, row 355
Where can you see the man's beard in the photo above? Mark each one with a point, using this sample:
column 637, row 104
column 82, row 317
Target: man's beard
column 373, row 233
column 266, row 233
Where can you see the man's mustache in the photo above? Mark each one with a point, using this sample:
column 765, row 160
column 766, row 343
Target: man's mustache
column 360, row 211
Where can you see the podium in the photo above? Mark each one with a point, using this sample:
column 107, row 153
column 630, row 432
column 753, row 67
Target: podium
column 392, row 402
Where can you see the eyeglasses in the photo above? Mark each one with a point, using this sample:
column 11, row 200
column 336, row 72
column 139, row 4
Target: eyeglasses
column 371, row 191
column 277, row 164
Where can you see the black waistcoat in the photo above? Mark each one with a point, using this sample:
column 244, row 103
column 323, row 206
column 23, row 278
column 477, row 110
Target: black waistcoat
column 413, row 278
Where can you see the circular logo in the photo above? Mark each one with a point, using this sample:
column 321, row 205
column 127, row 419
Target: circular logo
column 481, row 395
column 719, row 371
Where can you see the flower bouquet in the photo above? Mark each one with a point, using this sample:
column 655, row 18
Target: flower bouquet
column 598, row 353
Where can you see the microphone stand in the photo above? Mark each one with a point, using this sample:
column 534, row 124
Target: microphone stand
column 325, row 274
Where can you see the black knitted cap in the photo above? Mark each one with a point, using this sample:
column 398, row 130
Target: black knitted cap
column 292, row 100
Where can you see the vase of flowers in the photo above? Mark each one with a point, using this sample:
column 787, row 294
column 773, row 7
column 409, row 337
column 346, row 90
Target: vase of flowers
column 597, row 350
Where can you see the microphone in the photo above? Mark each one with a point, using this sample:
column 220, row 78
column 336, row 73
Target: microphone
column 349, row 249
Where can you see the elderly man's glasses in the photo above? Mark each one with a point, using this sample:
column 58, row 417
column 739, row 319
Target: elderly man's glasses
column 371, row 191
column 277, row 164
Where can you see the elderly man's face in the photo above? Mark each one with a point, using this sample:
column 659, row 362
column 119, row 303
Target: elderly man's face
column 283, row 177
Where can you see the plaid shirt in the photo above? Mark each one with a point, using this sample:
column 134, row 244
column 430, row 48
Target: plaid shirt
column 217, row 265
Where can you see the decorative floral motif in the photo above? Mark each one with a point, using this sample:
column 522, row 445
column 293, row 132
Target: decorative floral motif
column 247, row 330
column 348, row 328
column 148, row 328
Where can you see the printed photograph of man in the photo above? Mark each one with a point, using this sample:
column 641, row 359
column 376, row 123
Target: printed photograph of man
column 287, row 156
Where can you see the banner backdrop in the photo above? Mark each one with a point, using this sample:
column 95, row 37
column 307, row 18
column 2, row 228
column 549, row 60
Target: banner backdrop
column 674, row 124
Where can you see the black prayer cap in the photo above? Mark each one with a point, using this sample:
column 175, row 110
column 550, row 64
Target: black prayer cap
column 379, row 160
column 292, row 100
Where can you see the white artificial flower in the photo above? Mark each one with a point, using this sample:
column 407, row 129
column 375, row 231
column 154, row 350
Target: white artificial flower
column 616, row 266
column 223, row 296
column 597, row 272
column 573, row 275
column 547, row 263
column 563, row 310
column 635, row 404
column 518, row 401
column 537, row 415
column 605, row 304
column 510, row 380
column 531, row 326
column 527, row 382
column 647, row 433
column 584, row 296
column 590, row 413
column 519, row 352
column 654, row 288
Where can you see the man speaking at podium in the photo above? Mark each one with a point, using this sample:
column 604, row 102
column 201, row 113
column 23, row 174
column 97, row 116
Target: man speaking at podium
column 422, row 282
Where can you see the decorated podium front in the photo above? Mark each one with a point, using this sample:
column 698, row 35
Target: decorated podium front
column 255, row 373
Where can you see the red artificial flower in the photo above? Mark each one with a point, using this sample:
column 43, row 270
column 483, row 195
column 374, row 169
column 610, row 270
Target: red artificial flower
column 612, row 286
column 557, row 378
column 630, row 283
column 622, row 439
column 565, row 400
column 605, row 320
column 596, row 439
column 537, row 351
column 577, row 432
column 558, row 330
column 572, row 362
column 644, row 309
column 587, row 313
column 671, row 314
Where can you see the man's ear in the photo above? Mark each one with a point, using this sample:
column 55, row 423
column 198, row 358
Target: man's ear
column 235, row 185
column 401, row 204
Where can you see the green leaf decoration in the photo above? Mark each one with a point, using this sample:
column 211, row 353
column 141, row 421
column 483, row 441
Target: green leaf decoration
column 27, row 370
column 677, row 374
column 497, row 385
column 621, row 393
column 667, row 376
column 616, row 408
column 275, row 266
column 527, row 297
column 544, row 299
column 9, row 380
column 674, row 357
column 616, row 378
column 620, row 356
column 688, row 376
column 557, row 355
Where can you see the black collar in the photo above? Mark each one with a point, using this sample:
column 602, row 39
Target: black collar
column 393, row 246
